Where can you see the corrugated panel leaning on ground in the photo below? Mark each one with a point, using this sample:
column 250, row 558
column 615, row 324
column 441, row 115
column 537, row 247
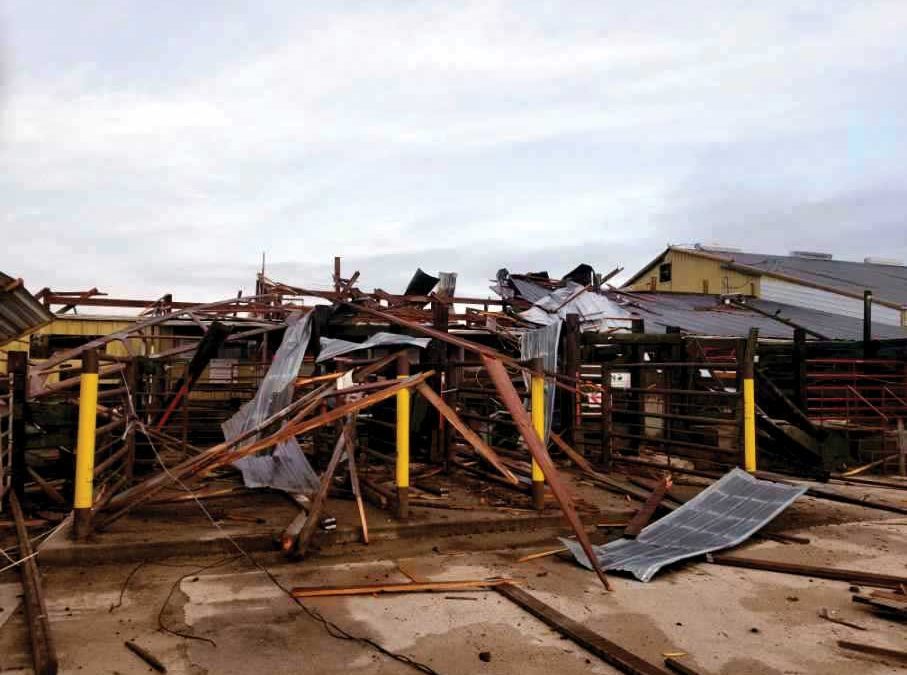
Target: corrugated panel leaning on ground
column 725, row 514
column 20, row 313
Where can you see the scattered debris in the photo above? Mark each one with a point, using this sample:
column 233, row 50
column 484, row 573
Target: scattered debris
column 412, row 587
column 146, row 656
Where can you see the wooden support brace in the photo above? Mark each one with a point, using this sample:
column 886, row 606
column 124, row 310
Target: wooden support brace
column 511, row 400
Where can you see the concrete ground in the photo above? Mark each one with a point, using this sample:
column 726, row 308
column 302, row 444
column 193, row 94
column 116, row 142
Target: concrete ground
column 728, row 621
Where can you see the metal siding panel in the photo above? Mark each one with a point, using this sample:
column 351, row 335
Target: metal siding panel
column 804, row 296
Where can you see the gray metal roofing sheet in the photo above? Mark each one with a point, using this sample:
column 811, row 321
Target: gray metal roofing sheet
column 701, row 314
column 529, row 290
column 887, row 282
column 725, row 514
column 20, row 312
column 592, row 307
column 334, row 347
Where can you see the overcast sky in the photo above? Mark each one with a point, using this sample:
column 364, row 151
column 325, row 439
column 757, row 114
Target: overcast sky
column 161, row 146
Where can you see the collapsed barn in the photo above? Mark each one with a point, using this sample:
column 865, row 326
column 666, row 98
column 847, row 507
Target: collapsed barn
column 428, row 400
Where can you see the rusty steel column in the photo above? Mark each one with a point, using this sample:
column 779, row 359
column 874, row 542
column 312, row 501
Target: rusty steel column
column 867, row 322
column 569, row 400
column 17, row 369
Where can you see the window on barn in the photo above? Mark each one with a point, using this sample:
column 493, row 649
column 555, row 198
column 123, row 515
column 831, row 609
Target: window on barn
column 664, row 272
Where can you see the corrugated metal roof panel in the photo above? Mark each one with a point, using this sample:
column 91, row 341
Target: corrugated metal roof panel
column 594, row 308
column 700, row 314
column 20, row 313
column 887, row 282
column 725, row 514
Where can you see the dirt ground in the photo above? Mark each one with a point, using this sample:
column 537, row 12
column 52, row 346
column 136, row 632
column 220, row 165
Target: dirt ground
column 727, row 621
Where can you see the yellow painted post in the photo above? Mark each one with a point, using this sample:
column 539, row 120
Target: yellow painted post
column 537, row 407
column 749, row 424
column 85, row 447
column 403, row 405
column 749, row 402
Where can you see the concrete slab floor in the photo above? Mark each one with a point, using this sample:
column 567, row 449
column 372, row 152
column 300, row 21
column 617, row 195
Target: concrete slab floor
column 729, row 621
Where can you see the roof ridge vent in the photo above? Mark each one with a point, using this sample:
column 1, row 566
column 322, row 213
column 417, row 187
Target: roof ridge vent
column 811, row 255
column 717, row 248
column 884, row 261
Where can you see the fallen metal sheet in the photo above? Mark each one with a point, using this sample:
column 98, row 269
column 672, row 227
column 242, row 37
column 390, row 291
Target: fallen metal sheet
column 723, row 515
column 287, row 468
column 332, row 348
column 542, row 343
column 596, row 311
column 20, row 312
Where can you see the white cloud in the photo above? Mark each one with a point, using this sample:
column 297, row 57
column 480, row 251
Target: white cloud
column 158, row 149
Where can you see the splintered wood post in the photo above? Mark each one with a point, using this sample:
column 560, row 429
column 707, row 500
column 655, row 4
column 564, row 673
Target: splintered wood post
column 44, row 654
column 318, row 501
column 511, row 400
column 471, row 437
column 351, row 444
column 647, row 510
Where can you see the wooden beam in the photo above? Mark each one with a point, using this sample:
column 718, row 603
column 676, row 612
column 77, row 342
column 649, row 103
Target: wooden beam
column 883, row 652
column 409, row 587
column 310, row 520
column 647, row 510
column 471, row 437
column 849, row 576
column 512, row 401
column 608, row 651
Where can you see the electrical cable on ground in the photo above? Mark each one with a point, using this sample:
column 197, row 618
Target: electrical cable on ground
column 330, row 627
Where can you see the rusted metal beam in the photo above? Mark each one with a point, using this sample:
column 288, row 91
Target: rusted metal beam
column 647, row 510
column 44, row 655
column 610, row 652
column 471, row 437
column 512, row 402
column 850, row 576
column 298, row 535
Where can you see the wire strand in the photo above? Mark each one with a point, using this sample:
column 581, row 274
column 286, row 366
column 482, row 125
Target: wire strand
column 330, row 627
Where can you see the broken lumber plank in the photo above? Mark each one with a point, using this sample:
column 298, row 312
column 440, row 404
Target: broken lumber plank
column 647, row 510
column 884, row 652
column 304, row 524
column 680, row 668
column 146, row 656
column 825, row 614
column 410, row 587
column 542, row 554
column 44, row 653
column 887, row 595
column 850, row 576
column 537, row 448
column 608, row 651
column 471, row 437
column 899, row 609
column 608, row 482
column 354, row 480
